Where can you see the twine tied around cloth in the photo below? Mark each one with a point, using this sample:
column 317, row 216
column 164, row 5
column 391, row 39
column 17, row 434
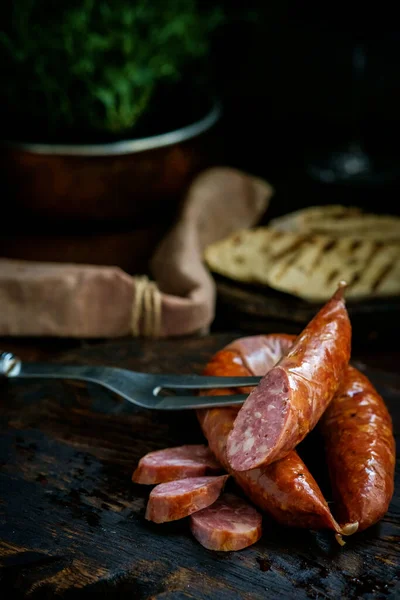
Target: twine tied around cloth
column 146, row 308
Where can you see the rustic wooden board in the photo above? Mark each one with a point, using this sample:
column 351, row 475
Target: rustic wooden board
column 72, row 522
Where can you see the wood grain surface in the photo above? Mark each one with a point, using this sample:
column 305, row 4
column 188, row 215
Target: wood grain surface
column 72, row 522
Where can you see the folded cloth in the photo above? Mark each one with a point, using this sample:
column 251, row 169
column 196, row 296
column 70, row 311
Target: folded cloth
column 87, row 301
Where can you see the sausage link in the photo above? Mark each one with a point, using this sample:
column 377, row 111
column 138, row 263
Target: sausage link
column 257, row 351
column 290, row 399
column 360, row 451
column 285, row 489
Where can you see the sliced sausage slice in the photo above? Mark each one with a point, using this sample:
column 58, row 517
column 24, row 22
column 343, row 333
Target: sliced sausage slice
column 360, row 451
column 228, row 524
column 170, row 464
column 179, row 499
column 290, row 399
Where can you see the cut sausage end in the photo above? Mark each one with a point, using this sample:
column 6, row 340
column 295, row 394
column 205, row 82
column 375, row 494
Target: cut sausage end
column 349, row 529
column 227, row 525
column 339, row 295
column 260, row 423
column 179, row 499
column 339, row 539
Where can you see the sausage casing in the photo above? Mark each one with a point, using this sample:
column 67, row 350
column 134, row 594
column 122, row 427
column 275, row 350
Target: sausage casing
column 292, row 396
column 360, row 451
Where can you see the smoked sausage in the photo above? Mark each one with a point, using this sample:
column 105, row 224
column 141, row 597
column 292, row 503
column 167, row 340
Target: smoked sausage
column 228, row 524
column 170, row 464
column 290, row 399
column 360, row 451
column 179, row 499
column 285, row 489
column 257, row 351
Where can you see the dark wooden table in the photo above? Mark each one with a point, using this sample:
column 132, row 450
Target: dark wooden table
column 72, row 522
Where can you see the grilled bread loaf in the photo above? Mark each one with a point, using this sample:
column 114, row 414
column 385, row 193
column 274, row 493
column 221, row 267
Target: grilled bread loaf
column 308, row 265
column 339, row 221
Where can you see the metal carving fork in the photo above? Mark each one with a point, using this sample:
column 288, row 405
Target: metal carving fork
column 142, row 389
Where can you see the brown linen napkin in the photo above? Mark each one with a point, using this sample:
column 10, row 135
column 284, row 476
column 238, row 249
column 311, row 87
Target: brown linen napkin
column 86, row 301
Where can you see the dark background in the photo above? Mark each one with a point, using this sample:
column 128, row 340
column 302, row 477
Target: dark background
column 284, row 71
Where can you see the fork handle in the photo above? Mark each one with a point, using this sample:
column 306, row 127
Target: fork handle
column 12, row 367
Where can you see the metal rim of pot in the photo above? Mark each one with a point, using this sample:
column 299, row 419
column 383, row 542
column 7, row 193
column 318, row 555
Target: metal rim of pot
column 127, row 146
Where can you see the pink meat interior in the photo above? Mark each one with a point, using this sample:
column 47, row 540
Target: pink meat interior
column 189, row 484
column 259, row 423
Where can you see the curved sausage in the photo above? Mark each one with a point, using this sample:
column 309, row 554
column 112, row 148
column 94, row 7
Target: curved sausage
column 179, row 499
column 258, row 350
column 290, row 399
column 170, row 464
column 285, row 489
column 229, row 524
column 360, row 451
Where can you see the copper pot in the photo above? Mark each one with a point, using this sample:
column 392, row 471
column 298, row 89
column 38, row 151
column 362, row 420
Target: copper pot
column 129, row 250
column 139, row 180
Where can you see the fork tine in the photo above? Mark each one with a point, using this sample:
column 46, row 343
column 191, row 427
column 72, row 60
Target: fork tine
column 191, row 402
column 203, row 382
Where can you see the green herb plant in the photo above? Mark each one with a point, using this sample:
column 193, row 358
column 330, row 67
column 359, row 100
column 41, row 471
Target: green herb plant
column 96, row 63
